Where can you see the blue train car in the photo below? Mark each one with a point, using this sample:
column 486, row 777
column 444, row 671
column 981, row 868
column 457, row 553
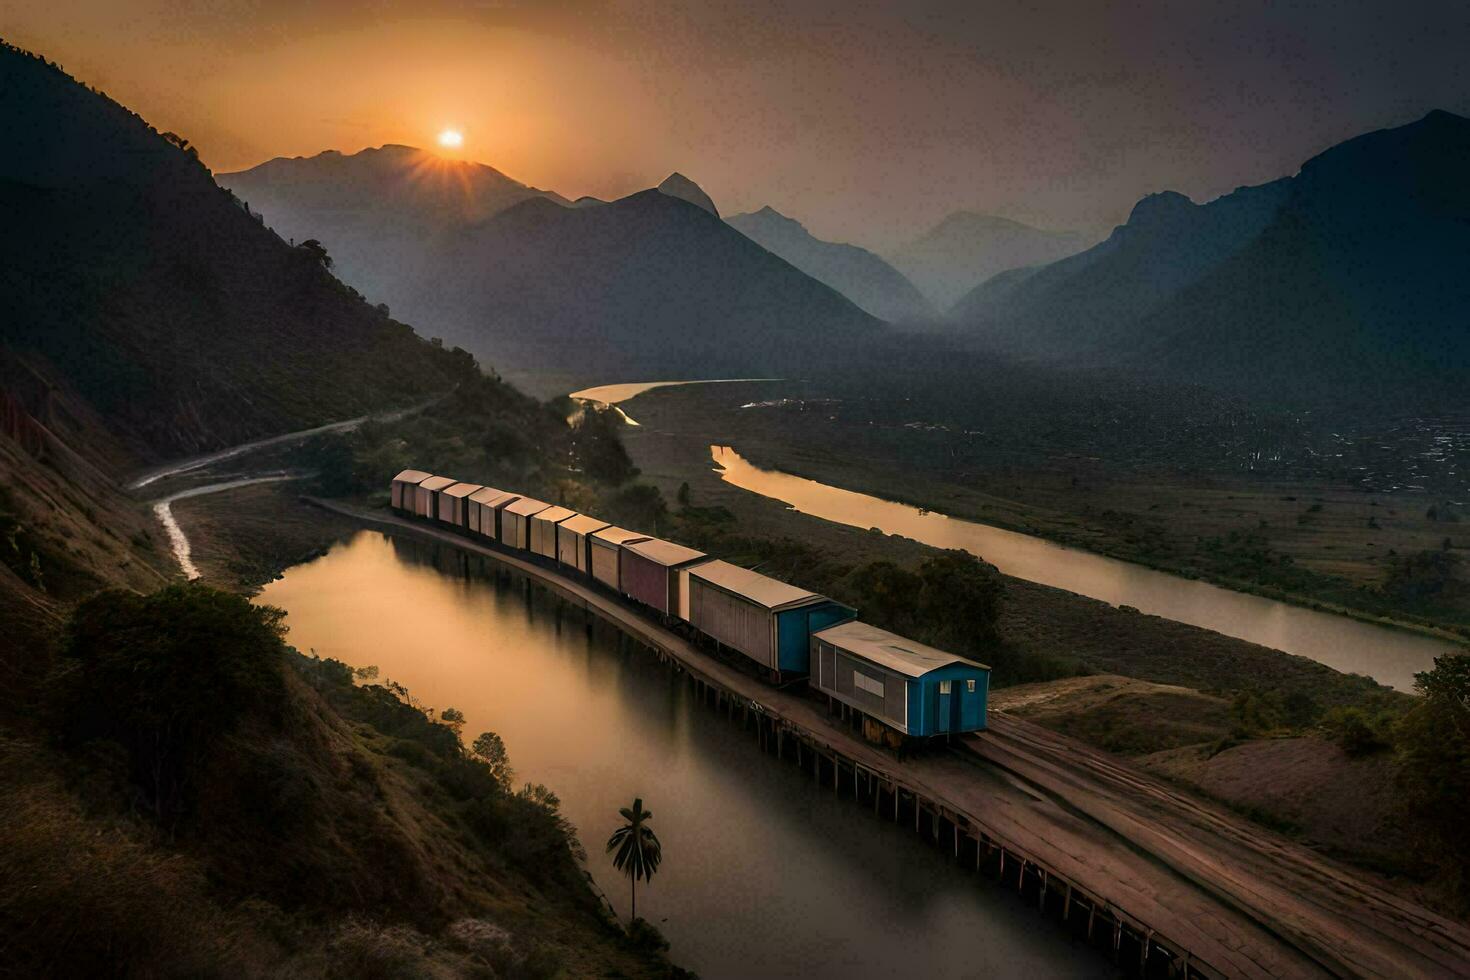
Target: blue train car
column 908, row 687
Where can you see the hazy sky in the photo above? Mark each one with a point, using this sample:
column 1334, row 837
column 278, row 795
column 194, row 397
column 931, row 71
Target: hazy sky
column 867, row 121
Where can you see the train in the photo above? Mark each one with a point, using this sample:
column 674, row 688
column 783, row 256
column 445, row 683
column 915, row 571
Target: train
column 898, row 690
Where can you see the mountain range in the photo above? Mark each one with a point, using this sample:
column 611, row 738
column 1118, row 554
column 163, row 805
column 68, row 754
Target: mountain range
column 856, row 273
column 1347, row 279
column 554, row 293
column 966, row 249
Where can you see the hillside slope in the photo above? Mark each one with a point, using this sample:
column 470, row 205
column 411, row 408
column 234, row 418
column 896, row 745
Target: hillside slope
column 966, row 249
column 146, row 287
column 1347, row 280
column 856, row 273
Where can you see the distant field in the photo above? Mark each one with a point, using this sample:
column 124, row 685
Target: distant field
column 1373, row 520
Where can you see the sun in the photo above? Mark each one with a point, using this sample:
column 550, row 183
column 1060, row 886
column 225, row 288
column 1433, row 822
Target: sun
column 451, row 139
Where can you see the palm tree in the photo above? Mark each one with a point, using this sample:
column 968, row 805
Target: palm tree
column 637, row 847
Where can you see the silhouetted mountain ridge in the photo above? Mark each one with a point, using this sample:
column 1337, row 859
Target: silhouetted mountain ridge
column 856, row 273
column 1347, row 280
column 647, row 283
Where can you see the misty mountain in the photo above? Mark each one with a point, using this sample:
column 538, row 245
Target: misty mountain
column 966, row 249
column 646, row 286
column 854, row 272
column 1349, row 279
column 143, row 295
column 374, row 209
column 677, row 185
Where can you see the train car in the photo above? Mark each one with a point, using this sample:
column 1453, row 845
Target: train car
column 426, row 496
column 543, row 530
column 401, row 490
column 515, row 522
column 768, row 621
column 485, row 507
column 652, row 572
column 572, row 536
column 603, row 549
column 907, row 687
column 454, row 504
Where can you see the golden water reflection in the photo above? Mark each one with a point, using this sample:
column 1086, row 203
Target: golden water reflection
column 765, row 874
column 1390, row 656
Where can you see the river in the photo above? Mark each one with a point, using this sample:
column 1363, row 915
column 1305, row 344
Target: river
column 764, row 873
column 1390, row 656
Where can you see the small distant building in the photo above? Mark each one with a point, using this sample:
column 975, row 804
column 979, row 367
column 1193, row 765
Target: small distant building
column 572, row 536
column 454, row 504
column 426, row 495
column 769, row 621
column 485, row 507
column 604, row 547
column 543, row 529
column 515, row 522
column 401, row 492
column 656, row 573
column 907, row 686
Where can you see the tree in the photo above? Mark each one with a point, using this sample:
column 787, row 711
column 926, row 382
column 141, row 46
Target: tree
column 489, row 749
column 638, row 851
column 1433, row 742
column 317, row 251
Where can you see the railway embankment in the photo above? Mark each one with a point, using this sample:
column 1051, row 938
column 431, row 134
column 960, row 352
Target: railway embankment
column 1170, row 884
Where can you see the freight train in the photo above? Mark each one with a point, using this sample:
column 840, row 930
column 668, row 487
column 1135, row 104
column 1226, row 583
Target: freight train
column 900, row 689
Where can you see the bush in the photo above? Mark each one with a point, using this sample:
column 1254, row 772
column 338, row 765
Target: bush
column 1354, row 731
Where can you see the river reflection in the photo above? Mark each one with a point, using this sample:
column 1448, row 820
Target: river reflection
column 765, row 874
column 1388, row 655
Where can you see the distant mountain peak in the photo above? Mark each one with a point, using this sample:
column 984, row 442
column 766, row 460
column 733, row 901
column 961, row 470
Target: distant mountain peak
column 677, row 185
column 1159, row 207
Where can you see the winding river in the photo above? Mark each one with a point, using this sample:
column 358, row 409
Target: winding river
column 764, row 874
column 1388, row 655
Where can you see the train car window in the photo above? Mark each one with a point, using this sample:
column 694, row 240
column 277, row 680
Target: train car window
column 944, row 687
column 970, row 686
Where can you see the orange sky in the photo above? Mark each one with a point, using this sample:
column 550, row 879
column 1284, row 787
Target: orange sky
column 868, row 121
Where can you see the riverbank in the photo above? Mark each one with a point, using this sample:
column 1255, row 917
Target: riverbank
column 1241, row 900
column 1321, row 546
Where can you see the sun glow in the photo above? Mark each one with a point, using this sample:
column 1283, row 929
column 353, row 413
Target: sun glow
column 451, row 139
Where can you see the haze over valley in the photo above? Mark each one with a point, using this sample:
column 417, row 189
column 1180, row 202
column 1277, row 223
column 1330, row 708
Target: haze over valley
column 660, row 491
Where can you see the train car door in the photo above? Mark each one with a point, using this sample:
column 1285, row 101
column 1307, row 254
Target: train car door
column 943, row 717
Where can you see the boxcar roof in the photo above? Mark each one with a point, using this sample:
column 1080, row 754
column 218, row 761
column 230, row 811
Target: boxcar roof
column 617, row 535
column 760, row 589
column 582, row 524
column 890, row 650
column 462, row 489
column 663, row 552
column 555, row 514
column 437, row 483
column 492, row 496
column 526, row 506
column 412, row 476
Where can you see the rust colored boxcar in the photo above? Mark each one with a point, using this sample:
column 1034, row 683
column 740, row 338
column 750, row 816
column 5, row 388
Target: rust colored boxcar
column 515, row 522
column 543, row 529
column 402, row 488
column 649, row 572
column 454, row 504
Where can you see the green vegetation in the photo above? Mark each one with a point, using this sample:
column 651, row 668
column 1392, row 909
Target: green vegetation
column 1432, row 742
column 190, row 796
column 635, row 849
